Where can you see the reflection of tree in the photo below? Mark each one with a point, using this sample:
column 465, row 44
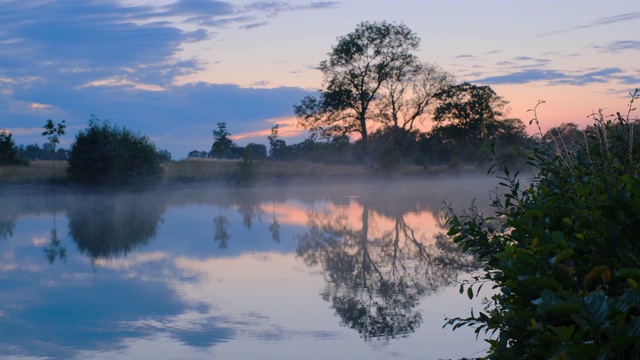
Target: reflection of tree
column 7, row 225
column 375, row 283
column 113, row 226
column 55, row 250
column 274, row 227
column 249, row 207
column 221, row 231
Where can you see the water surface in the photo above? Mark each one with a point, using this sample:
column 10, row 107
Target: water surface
column 343, row 271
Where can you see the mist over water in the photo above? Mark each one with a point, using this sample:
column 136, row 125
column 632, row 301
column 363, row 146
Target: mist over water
column 351, row 269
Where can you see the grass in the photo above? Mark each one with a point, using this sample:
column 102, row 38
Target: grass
column 213, row 170
column 36, row 173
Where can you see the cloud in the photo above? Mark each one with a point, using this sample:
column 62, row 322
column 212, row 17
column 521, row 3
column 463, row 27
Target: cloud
column 273, row 8
column 619, row 46
column 556, row 77
column 465, row 56
column 200, row 7
column 179, row 118
column 253, row 25
column 597, row 22
column 530, row 59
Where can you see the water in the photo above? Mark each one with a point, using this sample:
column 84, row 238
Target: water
column 347, row 271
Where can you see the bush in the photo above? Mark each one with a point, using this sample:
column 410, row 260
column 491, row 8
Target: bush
column 9, row 154
column 563, row 254
column 105, row 154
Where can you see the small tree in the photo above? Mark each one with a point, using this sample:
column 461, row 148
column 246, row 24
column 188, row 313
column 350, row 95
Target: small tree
column 277, row 147
column 53, row 133
column 222, row 145
column 106, row 154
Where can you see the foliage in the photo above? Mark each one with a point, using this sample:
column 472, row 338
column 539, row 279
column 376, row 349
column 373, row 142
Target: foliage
column 358, row 66
column 562, row 252
column 164, row 156
column 9, row 154
column 407, row 97
column 106, row 154
column 246, row 168
column 35, row 152
column 53, row 133
column 222, row 145
column 465, row 109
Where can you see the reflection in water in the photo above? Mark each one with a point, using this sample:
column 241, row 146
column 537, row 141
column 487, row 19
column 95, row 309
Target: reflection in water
column 249, row 207
column 375, row 282
column 7, row 224
column 55, row 250
column 274, row 226
column 112, row 226
column 221, row 230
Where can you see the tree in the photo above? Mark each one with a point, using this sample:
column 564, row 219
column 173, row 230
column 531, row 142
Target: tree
column 8, row 151
column 222, row 144
column 358, row 67
column 408, row 95
column 53, row 133
column 277, row 147
column 466, row 109
column 105, row 154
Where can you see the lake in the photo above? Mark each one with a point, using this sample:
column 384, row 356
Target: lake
column 336, row 270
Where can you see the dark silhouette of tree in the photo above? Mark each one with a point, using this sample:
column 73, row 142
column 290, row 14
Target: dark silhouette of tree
column 464, row 110
column 566, row 137
column 222, row 145
column 357, row 68
column 408, row 95
column 108, row 226
column 375, row 284
column 277, row 146
column 8, row 151
column 53, row 133
column 106, row 154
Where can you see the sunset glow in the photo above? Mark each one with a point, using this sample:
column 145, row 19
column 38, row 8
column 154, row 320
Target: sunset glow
column 173, row 69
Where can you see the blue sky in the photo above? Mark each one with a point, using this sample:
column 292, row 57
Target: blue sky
column 173, row 69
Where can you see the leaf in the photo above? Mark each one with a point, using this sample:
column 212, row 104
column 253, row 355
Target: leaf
column 564, row 333
column 470, row 292
column 633, row 273
column 597, row 307
column 594, row 274
column 564, row 254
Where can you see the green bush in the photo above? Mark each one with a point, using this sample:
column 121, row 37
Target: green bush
column 105, row 154
column 562, row 253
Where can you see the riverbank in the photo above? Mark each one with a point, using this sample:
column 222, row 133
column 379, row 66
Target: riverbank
column 50, row 174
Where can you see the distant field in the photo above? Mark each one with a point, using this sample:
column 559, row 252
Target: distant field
column 207, row 170
column 36, row 173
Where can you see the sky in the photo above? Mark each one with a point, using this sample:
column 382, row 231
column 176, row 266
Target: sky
column 173, row 69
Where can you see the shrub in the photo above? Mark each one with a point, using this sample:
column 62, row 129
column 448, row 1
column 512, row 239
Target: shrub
column 9, row 154
column 105, row 154
column 562, row 253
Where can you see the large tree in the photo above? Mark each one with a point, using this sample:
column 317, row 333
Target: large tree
column 354, row 74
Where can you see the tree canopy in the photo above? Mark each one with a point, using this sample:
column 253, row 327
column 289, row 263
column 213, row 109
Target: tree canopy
column 354, row 74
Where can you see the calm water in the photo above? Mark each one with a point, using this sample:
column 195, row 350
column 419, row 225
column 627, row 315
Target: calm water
column 351, row 271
